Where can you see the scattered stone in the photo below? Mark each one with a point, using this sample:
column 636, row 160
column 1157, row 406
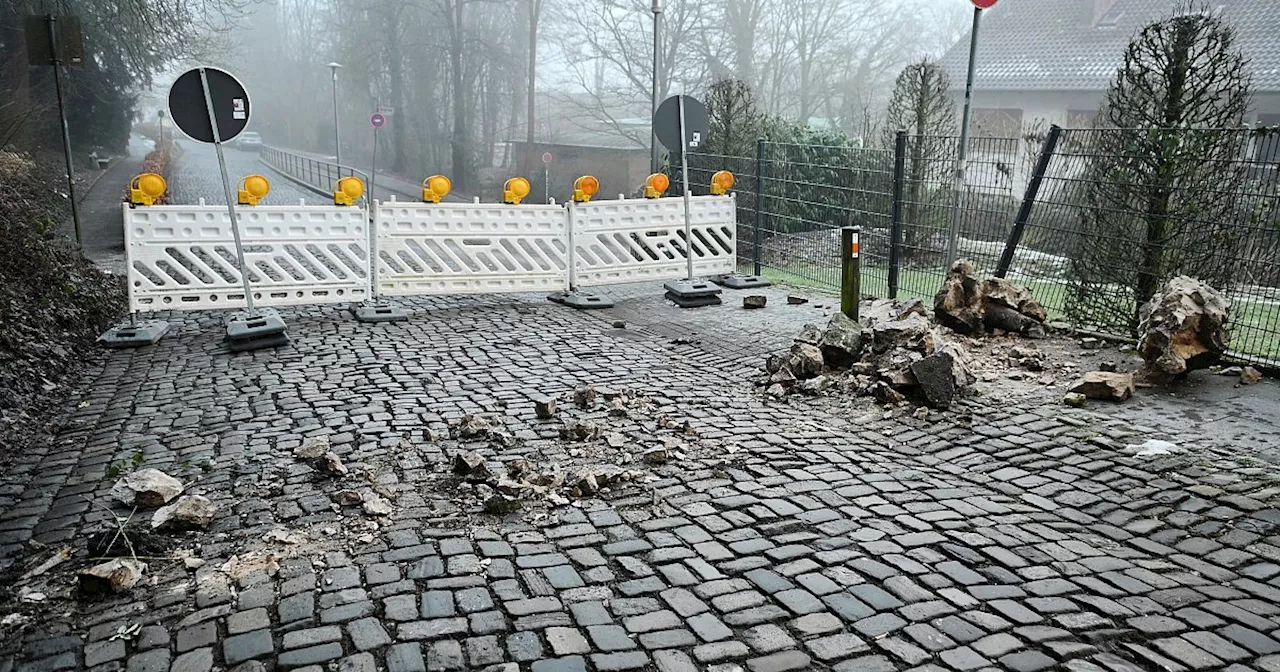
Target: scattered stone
column 331, row 464
column 580, row 430
column 1182, row 328
column 473, row 427
column 545, row 408
column 376, row 506
column 619, row 324
column 1250, row 376
column 793, row 300
column 347, row 497
column 841, row 344
column 805, row 361
column 1105, row 385
column 1108, row 366
column 502, row 505
column 189, row 512
column 146, row 488
column 958, row 305
column 117, row 576
column 584, row 396
column 1090, row 343
column 656, row 456
column 471, row 466
column 754, row 301
column 938, row 375
column 967, row 306
column 312, row 448
column 1074, row 399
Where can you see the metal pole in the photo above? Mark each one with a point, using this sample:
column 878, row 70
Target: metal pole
column 684, row 183
column 755, row 251
column 653, row 133
column 895, row 217
column 226, row 189
column 850, row 272
column 546, row 183
column 372, row 215
column 572, row 259
column 953, row 235
column 1028, row 200
column 51, row 21
column 337, row 136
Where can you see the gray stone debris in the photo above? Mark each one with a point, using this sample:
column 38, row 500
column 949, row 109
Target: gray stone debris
column 189, row 512
column 331, row 464
column 471, row 466
column 545, row 408
column 347, row 497
column 580, row 430
column 1182, row 328
column 312, row 448
column 754, row 301
column 473, row 427
column 584, row 396
column 969, row 306
column 374, row 505
column 117, row 576
column 1105, row 385
column 146, row 488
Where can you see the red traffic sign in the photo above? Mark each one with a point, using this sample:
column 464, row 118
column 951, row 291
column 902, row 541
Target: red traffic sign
column 546, row 157
column 377, row 119
column 984, row 4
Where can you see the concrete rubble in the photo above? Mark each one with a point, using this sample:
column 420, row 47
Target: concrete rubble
column 1181, row 329
column 146, row 488
column 117, row 576
column 189, row 512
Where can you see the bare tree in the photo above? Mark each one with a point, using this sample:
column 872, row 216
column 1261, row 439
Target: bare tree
column 921, row 106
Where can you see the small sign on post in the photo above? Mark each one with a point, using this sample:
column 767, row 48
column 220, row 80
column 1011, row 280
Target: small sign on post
column 546, row 158
column 377, row 119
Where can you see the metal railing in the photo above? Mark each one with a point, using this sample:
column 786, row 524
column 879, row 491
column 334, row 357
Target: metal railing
column 1093, row 221
column 318, row 175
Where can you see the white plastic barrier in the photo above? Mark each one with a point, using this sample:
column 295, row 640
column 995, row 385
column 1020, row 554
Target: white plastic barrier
column 183, row 257
column 469, row 248
column 637, row 240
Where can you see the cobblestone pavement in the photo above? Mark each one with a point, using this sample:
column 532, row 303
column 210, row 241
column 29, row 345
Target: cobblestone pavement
column 797, row 534
column 196, row 176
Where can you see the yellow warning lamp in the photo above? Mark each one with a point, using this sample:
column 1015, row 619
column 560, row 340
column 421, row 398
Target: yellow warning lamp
column 584, row 188
column 146, row 189
column 252, row 189
column 655, row 185
column 514, row 190
column 435, row 188
column 349, row 189
column 721, row 182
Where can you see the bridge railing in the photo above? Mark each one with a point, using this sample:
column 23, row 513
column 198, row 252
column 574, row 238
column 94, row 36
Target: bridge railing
column 318, row 175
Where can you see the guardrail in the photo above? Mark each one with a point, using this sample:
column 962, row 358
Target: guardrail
column 315, row 174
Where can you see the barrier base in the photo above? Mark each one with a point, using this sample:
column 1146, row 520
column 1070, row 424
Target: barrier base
column 692, row 293
column 580, row 300
column 135, row 335
column 381, row 312
column 246, row 332
column 738, row 281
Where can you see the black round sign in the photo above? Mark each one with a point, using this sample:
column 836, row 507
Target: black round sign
column 697, row 124
column 189, row 112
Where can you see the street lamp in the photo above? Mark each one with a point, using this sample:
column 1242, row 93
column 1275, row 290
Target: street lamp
column 653, row 133
column 337, row 137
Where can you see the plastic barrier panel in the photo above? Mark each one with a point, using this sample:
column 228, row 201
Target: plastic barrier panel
column 637, row 240
column 470, row 248
column 183, row 257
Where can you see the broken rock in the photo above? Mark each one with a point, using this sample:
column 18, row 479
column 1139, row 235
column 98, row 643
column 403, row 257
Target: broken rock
column 117, row 576
column 312, row 448
column 146, row 488
column 585, row 396
column 1182, row 328
column 545, row 408
column 471, row 466
column 958, row 305
column 376, row 506
column 754, row 301
column 805, row 360
column 473, row 427
column 580, row 430
column 347, row 497
column 841, row 344
column 502, row 505
column 1105, row 385
column 189, row 512
column 331, row 464
column 1250, row 376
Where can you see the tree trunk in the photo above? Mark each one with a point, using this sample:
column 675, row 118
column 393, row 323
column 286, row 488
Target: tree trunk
column 395, row 64
column 531, row 118
column 460, row 143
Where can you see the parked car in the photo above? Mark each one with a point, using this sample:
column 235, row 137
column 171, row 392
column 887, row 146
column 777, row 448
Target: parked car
column 249, row 141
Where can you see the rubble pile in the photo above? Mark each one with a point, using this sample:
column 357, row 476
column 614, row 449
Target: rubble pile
column 891, row 353
column 967, row 306
column 1181, row 329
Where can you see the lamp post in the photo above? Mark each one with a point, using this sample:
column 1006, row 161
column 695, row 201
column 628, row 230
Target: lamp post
column 337, row 137
column 653, row 108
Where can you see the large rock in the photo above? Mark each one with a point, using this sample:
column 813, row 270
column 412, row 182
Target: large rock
column 117, row 576
column 998, row 291
column 912, row 332
column 805, row 361
column 1105, row 385
column 189, row 512
column 841, row 344
column 146, row 488
column 1182, row 328
column 958, row 305
column 942, row 375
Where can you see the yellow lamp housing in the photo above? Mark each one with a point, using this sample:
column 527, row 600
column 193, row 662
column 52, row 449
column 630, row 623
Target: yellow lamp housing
column 655, row 185
column 584, row 188
column 435, row 188
column 721, row 182
column 146, row 189
column 253, row 188
column 514, row 190
column 349, row 189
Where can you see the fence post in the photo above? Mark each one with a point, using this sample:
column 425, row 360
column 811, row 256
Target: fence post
column 850, row 272
column 755, row 250
column 895, row 227
column 1028, row 200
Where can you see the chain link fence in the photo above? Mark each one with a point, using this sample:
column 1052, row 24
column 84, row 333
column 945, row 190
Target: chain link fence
column 1112, row 216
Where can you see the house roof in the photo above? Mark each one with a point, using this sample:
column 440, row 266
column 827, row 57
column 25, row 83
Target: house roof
column 1054, row 45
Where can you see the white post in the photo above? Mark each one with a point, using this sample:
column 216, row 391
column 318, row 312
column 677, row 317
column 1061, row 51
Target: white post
column 684, row 180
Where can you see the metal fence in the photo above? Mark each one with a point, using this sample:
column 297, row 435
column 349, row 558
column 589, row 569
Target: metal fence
column 1113, row 214
column 316, row 174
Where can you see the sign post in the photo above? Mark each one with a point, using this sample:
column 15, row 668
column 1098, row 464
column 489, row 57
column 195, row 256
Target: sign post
column 211, row 106
column 546, row 176
column 380, row 311
column 682, row 124
column 953, row 233
column 45, row 47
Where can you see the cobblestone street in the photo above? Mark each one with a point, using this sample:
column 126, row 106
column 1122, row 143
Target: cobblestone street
column 808, row 533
